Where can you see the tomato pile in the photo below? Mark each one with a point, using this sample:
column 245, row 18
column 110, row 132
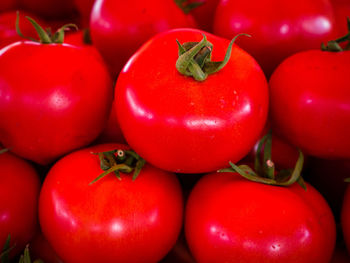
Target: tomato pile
column 175, row 131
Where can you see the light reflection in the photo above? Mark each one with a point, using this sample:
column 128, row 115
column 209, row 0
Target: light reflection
column 136, row 107
column 58, row 101
column 319, row 25
column 116, row 227
column 61, row 211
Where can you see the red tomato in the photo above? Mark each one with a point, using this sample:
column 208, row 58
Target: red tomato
column 341, row 11
column 310, row 100
column 279, row 28
column 119, row 28
column 231, row 219
column 50, row 9
column 6, row 5
column 188, row 126
column 345, row 218
column 84, row 7
column 19, row 193
column 204, row 14
column 8, row 33
column 54, row 98
column 111, row 220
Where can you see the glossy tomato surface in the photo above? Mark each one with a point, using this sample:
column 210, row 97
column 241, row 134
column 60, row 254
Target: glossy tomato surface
column 279, row 28
column 310, row 102
column 19, row 194
column 231, row 219
column 183, row 125
column 54, row 98
column 342, row 12
column 119, row 28
column 111, row 220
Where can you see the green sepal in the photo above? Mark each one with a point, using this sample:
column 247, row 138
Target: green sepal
column 4, row 256
column 333, row 45
column 195, row 58
column 187, row 7
column 116, row 161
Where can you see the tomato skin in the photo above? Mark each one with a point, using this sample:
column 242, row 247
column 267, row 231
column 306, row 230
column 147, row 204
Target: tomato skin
column 54, row 107
column 345, row 218
column 118, row 33
column 190, row 126
column 278, row 28
column 341, row 11
column 6, row 5
column 230, row 219
column 111, row 220
column 8, row 33
column 19, row 194
column 50, row 9
column 204, row 14
column 84, row 7
column 309, row 102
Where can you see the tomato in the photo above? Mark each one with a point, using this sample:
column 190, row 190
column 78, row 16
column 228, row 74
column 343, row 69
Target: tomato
column 310, row 102
column 84, row 7
column 6, row 5
column 54, row 98
column 204, row 14
column 231, row 219
column 50, row 9
column 341, row 11
column 119, row 28
column 278, row 28
column 8, row 33
column 19, row 193
column 110, row 220
column 188, row 126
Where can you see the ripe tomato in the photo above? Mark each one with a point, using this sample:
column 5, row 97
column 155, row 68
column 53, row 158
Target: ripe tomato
column 188, row 126
column 310, row 102
column 84, row 7
column 50, row 9
column 231, row 219
column 279, row 28
column 119, row 28
column 49, row 107
column 345, row 218
column 111, row 220
column 204, row 14
column 6, row 5
column 341, row 11
column 19, row 193
column 8, row 33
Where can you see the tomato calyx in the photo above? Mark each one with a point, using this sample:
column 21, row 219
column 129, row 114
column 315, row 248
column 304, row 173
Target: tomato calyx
column 4, row 150
column 195, row 58
column 45, row 36
column 187, row 6
column 4, row 255
column 116, row 161
column 264, row 168
column 334, row 45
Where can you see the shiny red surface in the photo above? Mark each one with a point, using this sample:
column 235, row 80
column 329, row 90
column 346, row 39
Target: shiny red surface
column 118, row 33
column 183, row 125
column 111, row 220
column 53, row 99
column 279, row 28
column 19, row 194
column 231, row 219
column 310, row 102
